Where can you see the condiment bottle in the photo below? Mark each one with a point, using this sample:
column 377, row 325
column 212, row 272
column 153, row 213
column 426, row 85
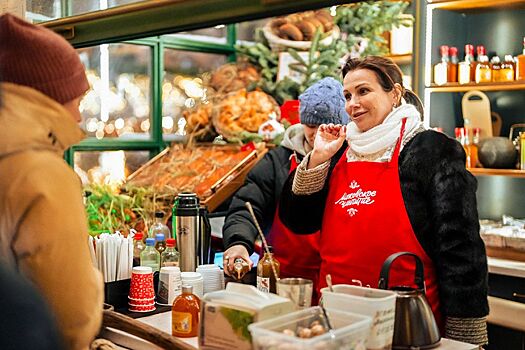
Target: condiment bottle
column 266, row 279
column 483, row 71
column 160, row 244
column 467, row 67
column 441, row 68
column 159, row 226
column 473, row 148
column 150, row 256
column 170, row 256
column 520, row 64
column 138, row 247
column 453, row 65
column 240, row 268
column 507, row 69
column 495, row 66
column 185, row 314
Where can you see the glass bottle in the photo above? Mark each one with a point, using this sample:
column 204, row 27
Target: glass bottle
column 465, row 144
column 185, row 314
column 441, row 68
column 170, row 256
column 150, row 256
column 495, row 66
column 483, row 71
column 160, row 243
column 159, row 226
column 520, row 64
column 138, row 247
column 240, row 269
column 266, row 279
column 467, row 66
column 507, row 69
column 453, row 65
column 473, row 148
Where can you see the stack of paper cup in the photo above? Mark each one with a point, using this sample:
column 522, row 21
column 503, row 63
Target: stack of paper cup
column 141, row 292
column 194, row 279
column 170, row 285
column 213, row 277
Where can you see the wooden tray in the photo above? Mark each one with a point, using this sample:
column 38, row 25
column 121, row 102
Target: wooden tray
column 506, row 253
column 213, row 188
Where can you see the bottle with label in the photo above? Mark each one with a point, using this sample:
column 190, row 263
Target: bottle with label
column 507, row 72
column 159, row 226
column 185, row 314
column 453, row 65
column 495, row 66
column 150, row 256
column 240, row 269
column 170, row 256
column 266, row 279
column 465, row 143
column 483, row 70
column 441, row 68
column 520, row 64
column 138, row 247
column 466, row 67
column 160, row 242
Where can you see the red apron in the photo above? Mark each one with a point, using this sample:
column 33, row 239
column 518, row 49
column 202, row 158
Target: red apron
column 364, row 222
column 298, row 254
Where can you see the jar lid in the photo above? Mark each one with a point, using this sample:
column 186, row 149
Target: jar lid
column 188, row 289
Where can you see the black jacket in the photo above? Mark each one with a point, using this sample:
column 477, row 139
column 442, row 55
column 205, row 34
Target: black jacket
column 440, row 199
column 262, row 189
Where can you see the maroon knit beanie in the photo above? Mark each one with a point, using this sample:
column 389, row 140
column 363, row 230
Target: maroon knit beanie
column 35, row 56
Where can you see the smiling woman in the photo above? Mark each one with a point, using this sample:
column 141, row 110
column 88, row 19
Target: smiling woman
column 393, row 187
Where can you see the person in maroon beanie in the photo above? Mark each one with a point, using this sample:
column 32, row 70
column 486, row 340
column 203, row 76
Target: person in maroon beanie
column 43, row 226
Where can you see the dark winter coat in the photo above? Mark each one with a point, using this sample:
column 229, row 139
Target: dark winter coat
column 440, row 199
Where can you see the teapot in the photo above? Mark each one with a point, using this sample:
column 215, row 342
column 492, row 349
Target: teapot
column 415, row 326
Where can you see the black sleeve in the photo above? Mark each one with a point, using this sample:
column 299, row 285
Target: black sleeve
column 303, row 214
column 259, row 190
column 453, row 238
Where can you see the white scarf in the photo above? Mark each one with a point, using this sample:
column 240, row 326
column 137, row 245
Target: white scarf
column 381, row 139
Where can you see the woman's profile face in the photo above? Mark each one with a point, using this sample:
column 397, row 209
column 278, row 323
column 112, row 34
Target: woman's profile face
column 366, row 101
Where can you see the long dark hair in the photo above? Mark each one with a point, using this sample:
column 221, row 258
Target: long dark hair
column 388, row 73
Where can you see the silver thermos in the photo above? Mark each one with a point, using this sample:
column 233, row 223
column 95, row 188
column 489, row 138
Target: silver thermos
column 192, row 231
column 186, row 222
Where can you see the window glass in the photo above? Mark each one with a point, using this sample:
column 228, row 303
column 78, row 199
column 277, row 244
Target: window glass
column 246, row 30
column 215, row 34
column 108, row 167
column 182, row 86
column 118, row 102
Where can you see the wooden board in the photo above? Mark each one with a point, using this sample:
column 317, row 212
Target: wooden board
column 506, row 253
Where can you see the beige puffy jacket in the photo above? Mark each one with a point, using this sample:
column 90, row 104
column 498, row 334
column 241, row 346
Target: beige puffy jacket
column 43, row 228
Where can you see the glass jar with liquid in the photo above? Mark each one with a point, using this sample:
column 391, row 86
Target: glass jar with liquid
column 185, row 314
column 266, row 274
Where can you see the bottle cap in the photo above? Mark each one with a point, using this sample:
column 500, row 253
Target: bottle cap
column 444, row 50
column 270, row 249
column 469, row 49
column 187, row 288
column 138, row 236
column 150, row 241
column 495, row 59
column 457, row 132
column 170, row 242
column 508, row 58
column 480, row 50
column 453, row 51
column 159, row 236
column 159, row 214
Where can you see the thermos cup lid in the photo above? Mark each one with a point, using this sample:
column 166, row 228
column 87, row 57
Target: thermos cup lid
column 186, row 203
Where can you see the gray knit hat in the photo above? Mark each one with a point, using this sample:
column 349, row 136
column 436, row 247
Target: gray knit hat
column 323, row 103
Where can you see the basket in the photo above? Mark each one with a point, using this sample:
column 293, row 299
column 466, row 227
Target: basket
column 241, row 112
column 349, row 331
column 279, row 44
column 233, row 76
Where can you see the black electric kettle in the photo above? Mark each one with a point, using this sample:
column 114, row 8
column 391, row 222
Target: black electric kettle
column 415, row 326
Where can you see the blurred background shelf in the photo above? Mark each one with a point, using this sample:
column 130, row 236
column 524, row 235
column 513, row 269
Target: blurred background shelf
column 504, row 172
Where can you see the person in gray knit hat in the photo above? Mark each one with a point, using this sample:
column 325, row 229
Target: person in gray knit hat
column 321, row 103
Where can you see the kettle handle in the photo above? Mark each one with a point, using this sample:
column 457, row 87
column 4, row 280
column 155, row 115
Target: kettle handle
column 419, row 278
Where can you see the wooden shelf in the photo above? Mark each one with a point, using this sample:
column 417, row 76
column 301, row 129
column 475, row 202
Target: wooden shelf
column 455, row 87
column 462, row 5
column 401, row 59
column 504, row 172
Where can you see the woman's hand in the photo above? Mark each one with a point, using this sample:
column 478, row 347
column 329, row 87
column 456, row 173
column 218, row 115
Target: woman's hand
column 328, row 140
column 232, row 253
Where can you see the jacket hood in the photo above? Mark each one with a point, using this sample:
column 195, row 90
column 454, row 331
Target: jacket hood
column 31, row 120
column 294, row 140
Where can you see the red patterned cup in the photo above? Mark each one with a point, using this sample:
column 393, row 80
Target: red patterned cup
column 141, row 308
column 141, row 283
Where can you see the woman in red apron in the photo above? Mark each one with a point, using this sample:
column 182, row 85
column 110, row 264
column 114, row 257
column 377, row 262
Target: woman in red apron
column 397, row 187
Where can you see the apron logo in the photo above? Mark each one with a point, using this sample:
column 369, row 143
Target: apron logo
column 355, row 198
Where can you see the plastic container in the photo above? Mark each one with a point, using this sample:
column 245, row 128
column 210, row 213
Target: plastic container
column 349, row 331
column 379, row 304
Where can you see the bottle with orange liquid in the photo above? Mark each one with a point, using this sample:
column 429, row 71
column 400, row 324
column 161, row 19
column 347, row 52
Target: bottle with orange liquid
column 185, row 314
column 520, row 64
column 473, row 147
